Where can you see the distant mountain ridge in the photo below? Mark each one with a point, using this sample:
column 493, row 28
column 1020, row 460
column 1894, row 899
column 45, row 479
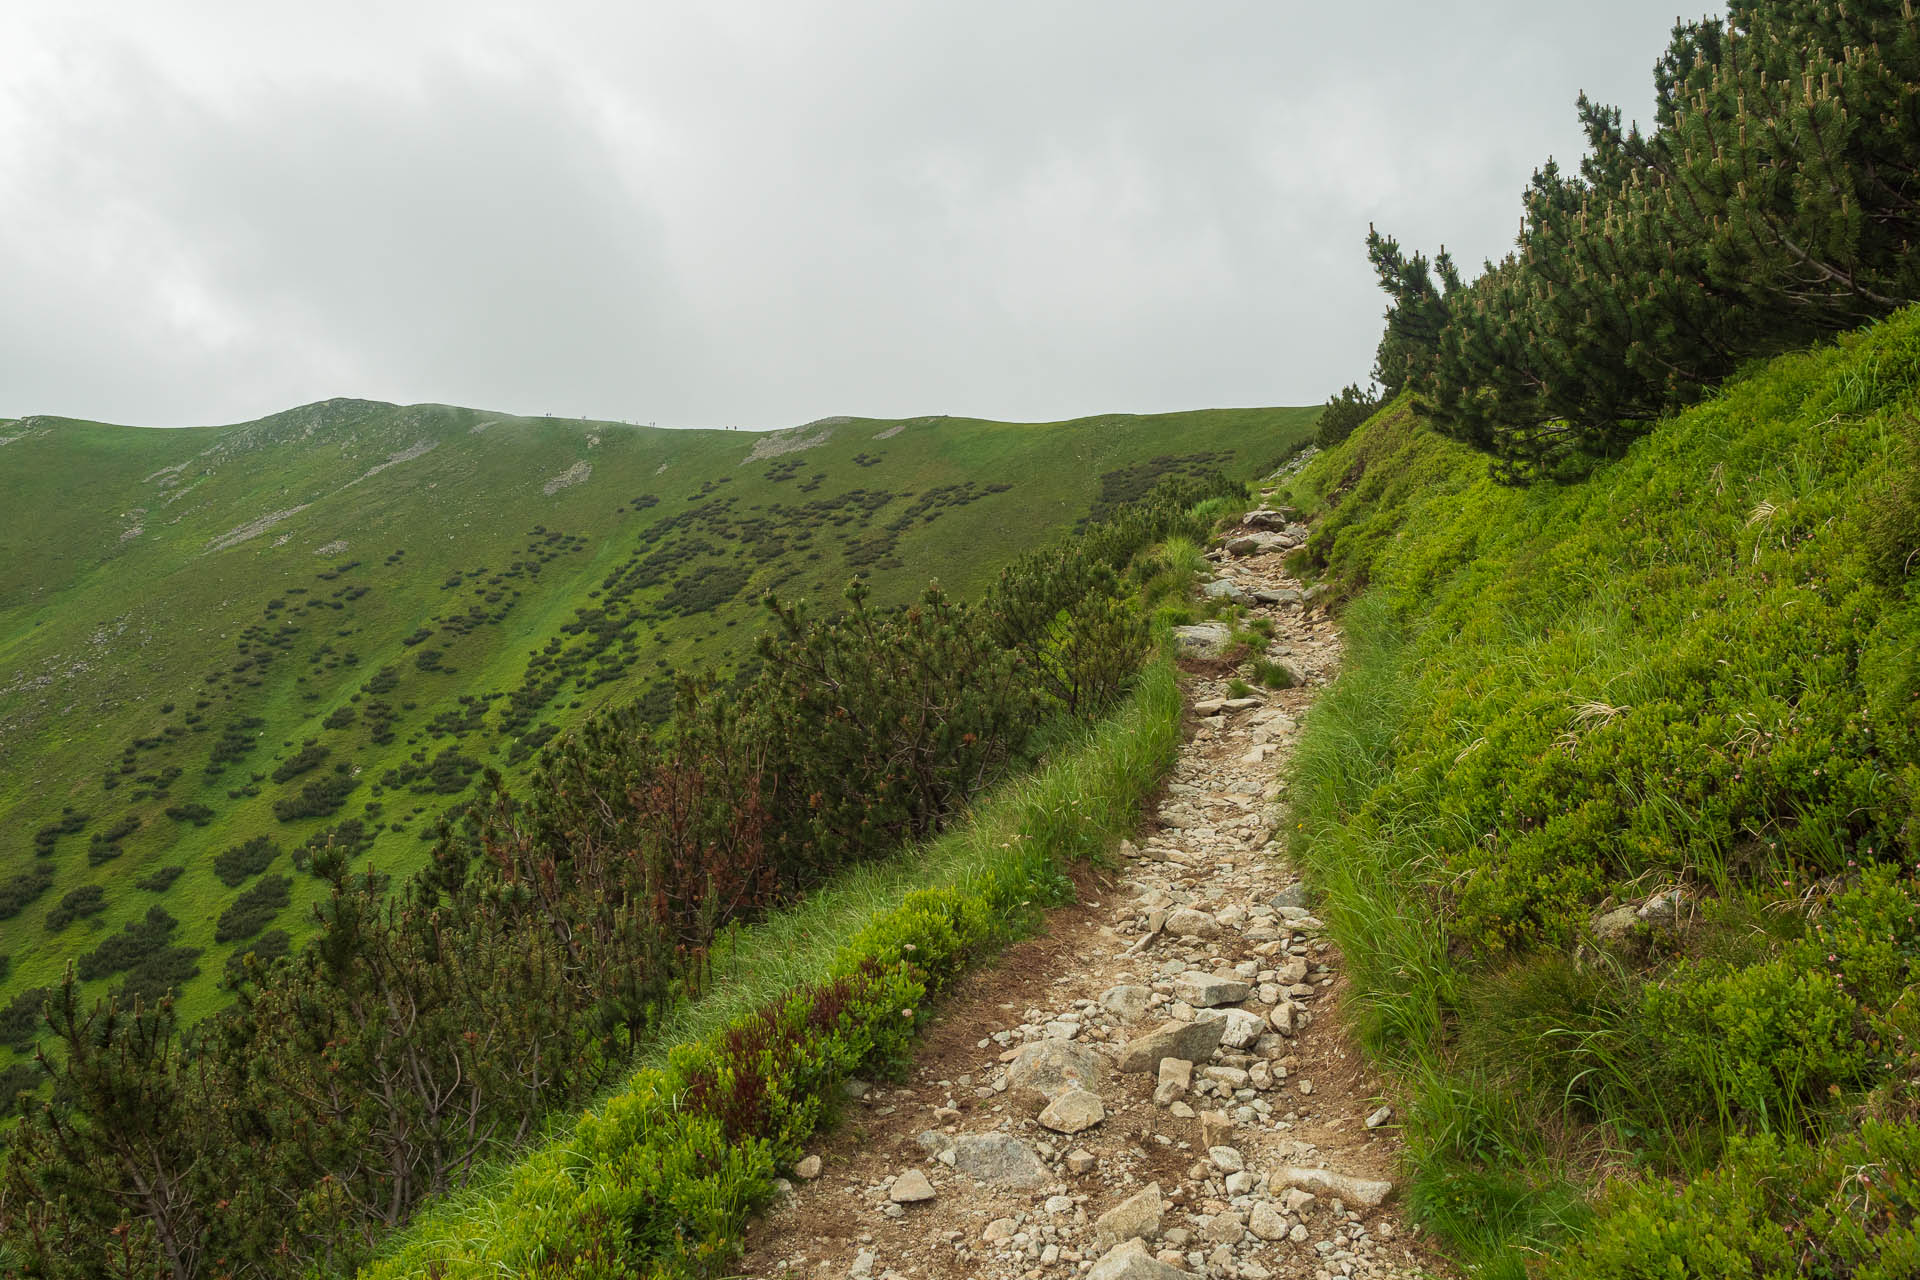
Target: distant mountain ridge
column 221, row 644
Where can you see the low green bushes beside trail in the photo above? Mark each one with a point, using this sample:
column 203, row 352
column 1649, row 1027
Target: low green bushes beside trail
column 436, row 1028
column 1615, row 812
column 658, row 1180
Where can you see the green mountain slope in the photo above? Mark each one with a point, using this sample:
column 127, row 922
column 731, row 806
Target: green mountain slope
column 1615, row 814
column 218, row 644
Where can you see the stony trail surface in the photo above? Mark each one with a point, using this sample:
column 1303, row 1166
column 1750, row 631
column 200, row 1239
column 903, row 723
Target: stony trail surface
column 1161, row 1085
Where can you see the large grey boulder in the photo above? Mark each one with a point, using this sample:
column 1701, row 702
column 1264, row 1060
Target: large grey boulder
column 1128, row 1001
column 1207, row 991
column 1270, row 518
column 1046, row 1069
column 1073, row 1112
column 1135, row 1218
column 1203, row 639
column 1226, row 589
column 1131, row 1261
column 1185, row 922
column 1191, row 1041
column 1238, row 1028
column 911, row 1187
column 992, row 1159
column 1368, row 1193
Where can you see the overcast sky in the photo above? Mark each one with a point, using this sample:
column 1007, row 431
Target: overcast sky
column 754, row 214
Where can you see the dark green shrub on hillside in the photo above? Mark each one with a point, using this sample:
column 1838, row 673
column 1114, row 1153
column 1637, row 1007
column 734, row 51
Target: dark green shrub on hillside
column 198, row 814
column 237, row 740
column 21, row 1077
column 884, row 723
column 1763, row 213
column 1344, row 411
column 350, row 838
column 252, row 910
column 158, row 975
column 20, row 1019
column 264, row 950
column 310, row 756
column 87, row 900
column 316, row 799
column 68, row 823
column 137, row 940
column 17, row 893
column 104, row 846
column 248, row 858
column 160, row 881
column 1071, row 624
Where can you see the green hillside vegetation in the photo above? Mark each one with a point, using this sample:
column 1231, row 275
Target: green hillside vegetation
column 1771, row 205
column 1615, row 814
column 430, row 1028
column 226, row 649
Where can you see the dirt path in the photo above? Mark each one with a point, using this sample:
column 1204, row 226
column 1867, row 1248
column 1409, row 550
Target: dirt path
column 1198, row 950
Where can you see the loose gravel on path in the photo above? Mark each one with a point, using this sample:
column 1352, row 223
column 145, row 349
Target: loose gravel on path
column 1161, row 1085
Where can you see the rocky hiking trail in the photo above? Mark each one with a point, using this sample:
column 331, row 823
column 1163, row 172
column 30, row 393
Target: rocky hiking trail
column 1161, row 1084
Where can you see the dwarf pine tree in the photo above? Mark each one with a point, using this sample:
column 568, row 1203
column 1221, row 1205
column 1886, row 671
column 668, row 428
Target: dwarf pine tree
column 1776, row 200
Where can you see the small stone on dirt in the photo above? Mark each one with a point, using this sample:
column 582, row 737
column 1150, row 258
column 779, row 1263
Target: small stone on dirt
column 1265, row 1221
column 1206, row 991
column 1176, row 1077
column 808, row 1169
column 1185, row 922
column 1138, row 1216
column 998, row 1159
column 1074, row 1111
column 1365, row 1192
column 1046, row 1069
column 911, row 1187
column 1127, row 1002
column 1131, row 1261
column 1191, row 1041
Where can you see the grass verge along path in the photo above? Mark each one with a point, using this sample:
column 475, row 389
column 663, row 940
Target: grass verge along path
column 659, row 1178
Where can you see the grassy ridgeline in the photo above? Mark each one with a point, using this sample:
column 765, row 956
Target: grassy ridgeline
column 221, row 647
column 644, row 1185
column 1685, row 687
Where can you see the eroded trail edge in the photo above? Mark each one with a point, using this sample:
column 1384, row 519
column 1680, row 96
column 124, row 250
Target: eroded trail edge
column 1162, row 1084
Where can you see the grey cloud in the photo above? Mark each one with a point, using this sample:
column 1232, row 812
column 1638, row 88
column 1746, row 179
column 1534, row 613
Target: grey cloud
column 754, row 214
